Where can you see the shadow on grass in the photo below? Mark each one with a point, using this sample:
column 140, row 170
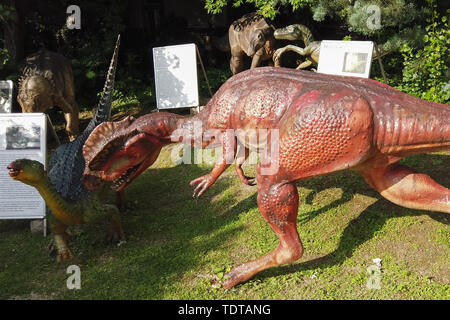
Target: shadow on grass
column 359, row 230
column 370, row 220
column 170, row 235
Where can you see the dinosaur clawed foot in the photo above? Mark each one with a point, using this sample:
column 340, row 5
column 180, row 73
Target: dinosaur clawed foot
column 230, row 279
column 250, row 181
column 204, row 182
column 58, row 246
column 64, row 254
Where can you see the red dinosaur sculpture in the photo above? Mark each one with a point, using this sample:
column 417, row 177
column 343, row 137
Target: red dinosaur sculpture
column 325, row 124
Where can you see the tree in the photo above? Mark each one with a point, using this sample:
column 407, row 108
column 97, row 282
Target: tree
column 11, row 17
column 374, row 18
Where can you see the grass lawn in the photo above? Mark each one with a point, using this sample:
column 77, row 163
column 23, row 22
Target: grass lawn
column 177, row 243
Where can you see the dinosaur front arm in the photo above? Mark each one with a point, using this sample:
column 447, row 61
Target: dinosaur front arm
column 224, row 160
column 290, row 47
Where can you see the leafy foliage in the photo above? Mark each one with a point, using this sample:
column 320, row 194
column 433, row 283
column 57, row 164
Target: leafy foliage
column 425, row 72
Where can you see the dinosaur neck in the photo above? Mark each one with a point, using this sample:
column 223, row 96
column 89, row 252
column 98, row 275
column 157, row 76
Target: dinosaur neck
column 172, row 128
column 64, row 211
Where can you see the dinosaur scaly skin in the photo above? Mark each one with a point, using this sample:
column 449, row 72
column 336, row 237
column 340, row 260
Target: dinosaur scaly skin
column 65, row 175
column 47, row 81
column 325, row 124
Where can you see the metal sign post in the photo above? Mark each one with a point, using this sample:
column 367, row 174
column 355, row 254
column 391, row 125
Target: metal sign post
column 6, row 93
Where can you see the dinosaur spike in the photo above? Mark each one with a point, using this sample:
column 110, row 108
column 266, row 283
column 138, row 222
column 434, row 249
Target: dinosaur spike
column 106, row 98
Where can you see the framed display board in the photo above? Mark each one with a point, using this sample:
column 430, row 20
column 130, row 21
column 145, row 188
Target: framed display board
column 345, row 58
column 22, row 135
column 176, row 76
column 6, row 93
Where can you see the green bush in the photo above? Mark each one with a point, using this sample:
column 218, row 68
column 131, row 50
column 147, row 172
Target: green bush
column 425, row 70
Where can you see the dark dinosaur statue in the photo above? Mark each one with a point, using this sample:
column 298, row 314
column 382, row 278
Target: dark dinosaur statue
column 62, row 188
column 253, row 36
column 315, row 124
column 47, row 81
column 311, row 51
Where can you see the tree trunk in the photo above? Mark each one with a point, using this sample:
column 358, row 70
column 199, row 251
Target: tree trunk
column 14, row 30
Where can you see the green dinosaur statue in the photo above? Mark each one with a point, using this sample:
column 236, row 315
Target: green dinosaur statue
column 86, row 210
column 298, row 32
column 312, row 48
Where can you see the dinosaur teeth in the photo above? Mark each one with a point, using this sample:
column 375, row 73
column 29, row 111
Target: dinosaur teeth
column 125, row 178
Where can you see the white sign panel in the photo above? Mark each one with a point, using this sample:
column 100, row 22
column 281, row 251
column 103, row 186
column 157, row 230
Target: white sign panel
column 6, row 93
column 176, row 76
column 22, row 135
column 345, row 58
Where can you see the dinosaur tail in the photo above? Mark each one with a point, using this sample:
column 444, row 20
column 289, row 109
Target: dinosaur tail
column 103, row 112
column 409, row 125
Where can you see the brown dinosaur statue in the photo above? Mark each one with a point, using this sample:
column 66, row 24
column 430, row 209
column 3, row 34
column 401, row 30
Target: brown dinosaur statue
column 47, row 81
column 253, row 36
column 309, row 124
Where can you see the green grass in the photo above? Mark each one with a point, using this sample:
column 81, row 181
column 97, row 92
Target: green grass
column 177, row 243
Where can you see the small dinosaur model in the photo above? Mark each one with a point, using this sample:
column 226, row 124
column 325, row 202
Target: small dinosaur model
column 309, row 124
column 47, row 81
column 62, row 187
column 64, row 213
column 253, row 36
column 298, row 32
column 312, row 48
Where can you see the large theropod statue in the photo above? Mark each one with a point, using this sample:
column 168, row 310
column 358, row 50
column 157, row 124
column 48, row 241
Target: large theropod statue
column 321, row 124
column 62, row 188
column 47, row 81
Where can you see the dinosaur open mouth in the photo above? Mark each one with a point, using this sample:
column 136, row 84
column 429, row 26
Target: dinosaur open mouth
column 13, row 171
column 125, row 178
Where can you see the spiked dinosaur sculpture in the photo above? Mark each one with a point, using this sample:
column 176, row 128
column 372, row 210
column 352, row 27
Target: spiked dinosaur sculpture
column 321, row 124
column 62, row 188
column 47, row 81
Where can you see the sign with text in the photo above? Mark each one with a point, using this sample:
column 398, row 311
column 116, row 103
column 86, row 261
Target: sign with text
column 345, row 58
column 22, row 135
column 6, row 93
column 176, row 76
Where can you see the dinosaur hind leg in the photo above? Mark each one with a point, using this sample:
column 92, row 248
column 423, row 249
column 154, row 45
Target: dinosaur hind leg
column 278, row 203
column 405, row 187
column 61, row 238
column 97, row 212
